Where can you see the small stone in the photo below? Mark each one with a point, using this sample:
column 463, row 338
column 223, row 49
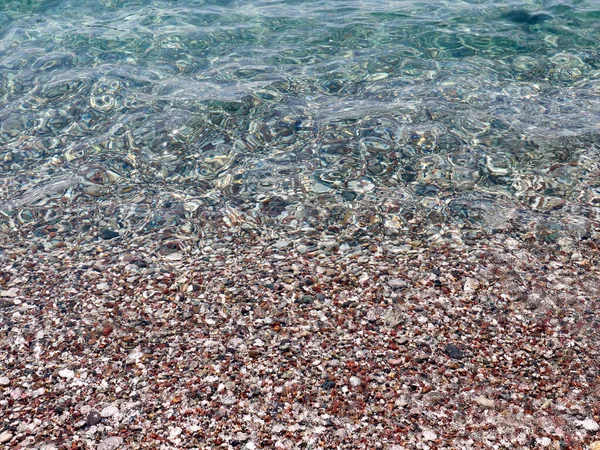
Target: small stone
column 595, row 445
column 4, row 381
column 429, row 435
column 454, row 352
column 110, row 443
column 397, row 283
column 67, row 373
column 108, row 234
column 355, row 381
column 175, row 432
column 5, row 437
column 328, row 384
column 544, row 441
column 281, row 244
column 306, row 299
column 483, row 401
column 102, row 287
column 588, row 424
column 93, row 418
column 250, row 445
column 471, row 285
column 12, row 292
column 109, row 411
column 302, row 248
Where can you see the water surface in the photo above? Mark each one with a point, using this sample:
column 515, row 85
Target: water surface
column 151, row 114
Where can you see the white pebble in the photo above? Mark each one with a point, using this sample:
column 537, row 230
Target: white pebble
column 5, row 437
column 544, row 441
column 250, row 445
column 397, row 283
column 67, row 373
column 102, row 286
column 429, row 435
column 109, row 411
column 4, row 381
column 110, row 443
column 174, row 432
column 12, row 292
column 355, row 381
column 589, row 424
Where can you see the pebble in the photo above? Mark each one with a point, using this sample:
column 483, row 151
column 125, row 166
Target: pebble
column 483, row 401
column 93, row 418
column 454, row 352
column 108, row 234
column 175, row 432
column 588, row 424
column 110, row 443
column 12, row 292
column 595, row 445
column 397, row 283
column 328, row 384
column 109, row 411
column 355, row 381
column 5, row 437
column 67, row 373
column 302, row 248
column 281, row 244
column 429, row 435
column 4, row 381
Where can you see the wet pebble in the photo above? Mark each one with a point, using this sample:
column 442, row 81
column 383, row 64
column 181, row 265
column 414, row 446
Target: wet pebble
column 108, row 234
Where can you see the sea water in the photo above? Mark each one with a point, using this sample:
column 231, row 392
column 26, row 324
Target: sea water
column 152, row 114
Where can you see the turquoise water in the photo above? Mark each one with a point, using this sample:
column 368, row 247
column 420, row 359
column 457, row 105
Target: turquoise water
column 157, row 114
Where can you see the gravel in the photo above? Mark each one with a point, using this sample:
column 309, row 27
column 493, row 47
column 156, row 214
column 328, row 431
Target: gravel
column 112, row 344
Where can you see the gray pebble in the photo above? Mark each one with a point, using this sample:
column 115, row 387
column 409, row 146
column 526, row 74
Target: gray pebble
column 93, row 418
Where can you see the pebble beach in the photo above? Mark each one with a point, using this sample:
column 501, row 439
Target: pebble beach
column 285, row 337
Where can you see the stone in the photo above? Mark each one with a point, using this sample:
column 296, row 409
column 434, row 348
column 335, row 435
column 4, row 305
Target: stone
column 483, row 401
column 12, row 292
column 302, row 248
column 108, row 234
column 109, row 411
column 175, row 432
column 595, row 445
column 588, row 424
column 93, row 418
column 328, row 384
column 454, row 352
column 397, row 283
column 429, row 435
column 110, row 443
column 67, row 373
column 4, row 381
column 355, row 381
column 281, row 244
column 5, row 437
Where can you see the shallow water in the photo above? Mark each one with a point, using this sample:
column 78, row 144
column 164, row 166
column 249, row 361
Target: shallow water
column 480, row 114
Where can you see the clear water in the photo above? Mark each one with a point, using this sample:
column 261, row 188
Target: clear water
column 155, row 114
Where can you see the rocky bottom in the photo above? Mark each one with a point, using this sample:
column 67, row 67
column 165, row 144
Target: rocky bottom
column 280, row 339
